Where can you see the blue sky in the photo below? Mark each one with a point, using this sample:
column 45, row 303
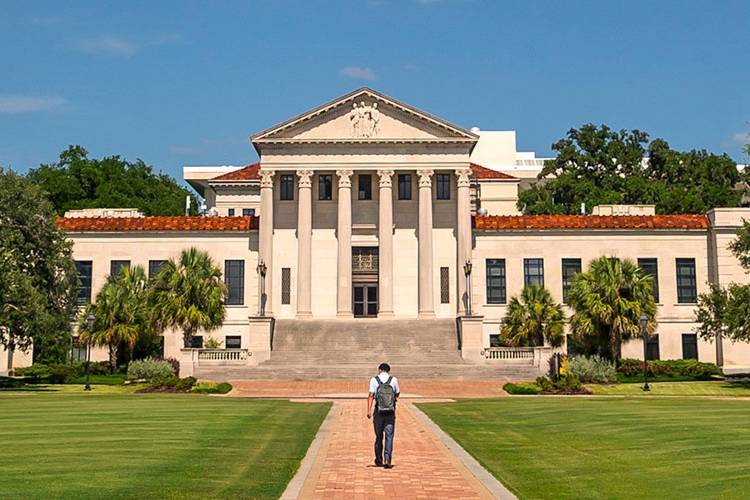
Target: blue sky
column 186, row 83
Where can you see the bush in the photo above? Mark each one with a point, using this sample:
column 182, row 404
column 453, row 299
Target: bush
column 57, row 373
column 170, row 384
column 670, row 368
column 175, row 365
column 565, row 384
column 211, row 388
column 150, row 369
column 529, row 388
column 595, row 370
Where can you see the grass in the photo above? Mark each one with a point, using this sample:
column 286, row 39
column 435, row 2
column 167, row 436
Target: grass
column 101, row 379
column 110, row 444
column 584, row 447
column 707, row 388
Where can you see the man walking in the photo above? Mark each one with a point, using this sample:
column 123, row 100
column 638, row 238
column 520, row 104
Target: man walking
column 384, row 391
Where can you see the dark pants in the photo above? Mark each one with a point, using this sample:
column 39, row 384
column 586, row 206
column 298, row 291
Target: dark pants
column 384, row 425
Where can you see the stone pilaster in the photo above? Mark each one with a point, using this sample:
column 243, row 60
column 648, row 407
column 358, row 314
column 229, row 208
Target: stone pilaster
column 304, row 243
column 265, row 237
column 344, row 236
column 385, row 242
column 463, row 235
column 426, row 296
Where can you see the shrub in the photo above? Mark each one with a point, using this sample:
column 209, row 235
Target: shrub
column 630, row 366
column 56, row 373
column 595, row 369
column 670, row 368
column 212, row 343
column 529, row 388
column 212, row 388
column 170, row 384
column 565, row 384
column 150, row 369
column 175, row 365
column 185, row 384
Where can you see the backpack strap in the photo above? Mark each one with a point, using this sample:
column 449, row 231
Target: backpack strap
column 389, row 380
column 380, row 382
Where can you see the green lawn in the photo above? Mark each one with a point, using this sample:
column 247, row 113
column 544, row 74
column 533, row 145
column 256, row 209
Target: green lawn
column 584, row 447
column 710, row 388
column 106, row 445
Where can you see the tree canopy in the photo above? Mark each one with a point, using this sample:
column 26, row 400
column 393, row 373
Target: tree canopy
column 76, row 181
column 533, row 318
column 597, row 165
column 37, row 273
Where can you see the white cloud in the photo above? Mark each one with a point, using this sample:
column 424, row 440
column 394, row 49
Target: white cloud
column 740, row 139
column 28, row 104
column 358, row 72
column 106, row 45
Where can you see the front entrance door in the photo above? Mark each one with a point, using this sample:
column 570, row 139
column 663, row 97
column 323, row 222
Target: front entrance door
column 365, row 301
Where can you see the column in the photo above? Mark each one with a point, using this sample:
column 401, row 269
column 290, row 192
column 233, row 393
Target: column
column 265, row 236
column 385, row 242
column 463, row 235
column 344, row 235
column 426, row 299
column 304, row 243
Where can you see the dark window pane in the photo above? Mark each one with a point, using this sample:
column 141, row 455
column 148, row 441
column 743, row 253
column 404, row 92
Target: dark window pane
column 248, row 212
column 650, row 267
column 533, row 272
column 286, row 187
column 444, row 286
column 84, row 270
column 230, row 212
column 233, row 342
column 286, row 285
column 116, row 266
column 570, row 267
column 652, row 348
column 359, row 293
column 325, row 187
column 443, row 186
column 495, row 340
column 372, row 294
column 365, row 187
column 197, row 342
column 404, row 186
column 234, row 278
column 686, row 289
column 359, row 309
column 495, row 281
column 154, row 266
column 689, row 346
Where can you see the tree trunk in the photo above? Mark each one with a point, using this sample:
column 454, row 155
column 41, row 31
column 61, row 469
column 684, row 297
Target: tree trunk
column 113, row 358
column 187, row 335
column 617, row 346
column 11, row 350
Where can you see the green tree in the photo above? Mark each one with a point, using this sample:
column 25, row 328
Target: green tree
column 597, row 165
column 120, row 313
column 723, row 313
column 533, row 318
column 76, row 181
column 608, row 300
column 188, row 294
column 37, row 270
column 740, row 247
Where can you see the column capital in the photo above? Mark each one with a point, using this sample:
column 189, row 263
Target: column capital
column 345, row 177
column 386, row 178
column 425, row 177
column 266, row 178
column 305, row 178
column 464, row 175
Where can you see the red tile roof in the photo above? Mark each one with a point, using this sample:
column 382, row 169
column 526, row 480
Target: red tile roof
column 159, row 223
column 248, row 173
column 481, row 172
column 541, row 222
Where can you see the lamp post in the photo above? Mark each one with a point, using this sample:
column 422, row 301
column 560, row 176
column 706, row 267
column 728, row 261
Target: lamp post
column 644, row 332
column 467, row 273
column 90, row 326
column 262, row 269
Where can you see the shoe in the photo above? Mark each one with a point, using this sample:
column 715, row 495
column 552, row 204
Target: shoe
column 378, row 464
column 387, row 466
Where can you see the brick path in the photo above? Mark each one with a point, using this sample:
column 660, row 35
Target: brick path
column 423, row 467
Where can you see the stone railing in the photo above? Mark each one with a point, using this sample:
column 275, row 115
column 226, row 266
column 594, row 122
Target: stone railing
column 535, row 356
column 223, row 355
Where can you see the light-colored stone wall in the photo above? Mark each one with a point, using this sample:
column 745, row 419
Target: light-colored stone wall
column 236, row 197
column 499, row 197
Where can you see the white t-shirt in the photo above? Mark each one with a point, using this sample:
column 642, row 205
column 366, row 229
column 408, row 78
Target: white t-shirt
column 383, row 377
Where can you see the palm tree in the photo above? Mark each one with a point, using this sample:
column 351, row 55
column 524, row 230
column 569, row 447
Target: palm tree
column 608, row 300
column 533, row 318
column 188, row 294
column 120, row 312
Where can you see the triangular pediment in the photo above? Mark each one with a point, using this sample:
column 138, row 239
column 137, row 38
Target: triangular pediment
column 364, row 116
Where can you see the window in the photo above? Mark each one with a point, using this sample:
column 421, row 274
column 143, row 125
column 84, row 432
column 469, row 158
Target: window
column 495, row 340
column 365, row 187
column 78, row 354
column 116, row 266
column 570, row 267
column 154, row 266
column 325, row 187
column 196, row 342
column 689, row 346
column 652, row 348
column 233, row 342
column 533, row 272
column 83, row 268
column 443, row 186
column 445, row 296
column 286, row 285
column 495, row 281
column 248, row 212
column 234, row 277
column 650, row 267
column 286, row 187
column 230, row 212
column 404, row 186
column 686, row 292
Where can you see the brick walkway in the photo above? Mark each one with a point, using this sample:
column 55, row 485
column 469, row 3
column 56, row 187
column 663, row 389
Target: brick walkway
column 423, row 467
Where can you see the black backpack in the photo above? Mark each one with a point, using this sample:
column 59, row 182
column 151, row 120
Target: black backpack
column 385, row 398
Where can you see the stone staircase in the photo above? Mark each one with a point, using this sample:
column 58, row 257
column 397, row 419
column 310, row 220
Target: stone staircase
column 341, row 349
